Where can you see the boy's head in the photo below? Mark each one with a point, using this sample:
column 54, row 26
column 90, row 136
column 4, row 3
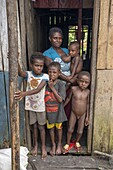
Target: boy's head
column 54, row 70
column 83, row 79
column 37, row 62
column 74, row 49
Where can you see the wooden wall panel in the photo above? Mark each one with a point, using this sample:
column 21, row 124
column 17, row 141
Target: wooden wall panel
column 103, row 112
column 4, row 77
column 62, row 4
column 68, row 3
column 46, row 4
column 103, row 34
column 110, row 39
column 29, row 22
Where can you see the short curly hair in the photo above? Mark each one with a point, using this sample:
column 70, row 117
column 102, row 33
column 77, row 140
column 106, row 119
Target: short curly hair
column 54, row 64
column 82, row 73
column 54, row 30
column 36, row 55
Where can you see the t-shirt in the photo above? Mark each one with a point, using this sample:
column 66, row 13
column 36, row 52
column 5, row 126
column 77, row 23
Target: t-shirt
column 35, row 102
column 51, row 53
column 54, row 109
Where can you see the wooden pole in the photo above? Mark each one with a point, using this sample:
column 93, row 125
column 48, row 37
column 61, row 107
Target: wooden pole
column 93, row 70
column 13, row 79
column 80, row 21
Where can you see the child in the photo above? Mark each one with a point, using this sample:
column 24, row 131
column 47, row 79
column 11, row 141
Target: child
column 76, row 60
column 55, row 95
column 80, row 109
column 34, row 101
column 75, row 68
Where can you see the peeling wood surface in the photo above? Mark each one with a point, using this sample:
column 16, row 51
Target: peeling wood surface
column 62, row 4
column 110, row 38
column 105, row 40
column 4, row 77
column 93, row 71
column 103, row 112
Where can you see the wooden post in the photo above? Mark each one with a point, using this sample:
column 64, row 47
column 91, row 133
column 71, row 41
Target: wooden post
column 93, row 70
column 80, row 21
column 13, row 79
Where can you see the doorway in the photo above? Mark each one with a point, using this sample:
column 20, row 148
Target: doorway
column 67, row 20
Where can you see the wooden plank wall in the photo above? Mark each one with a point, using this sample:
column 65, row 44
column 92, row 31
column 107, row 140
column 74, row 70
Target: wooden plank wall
column 62, row 4
column 103, row 106
column 25, row 49
column 4, row 101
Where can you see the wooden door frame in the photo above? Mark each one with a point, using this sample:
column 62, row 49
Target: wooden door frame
column 93, row 72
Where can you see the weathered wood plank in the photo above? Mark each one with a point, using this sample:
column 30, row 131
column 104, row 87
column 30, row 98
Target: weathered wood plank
column 13, row 70
column 103, row 34
column 103, row 111
column 29, row 22
column 69, row 4
column 110, row 39
column 62, row 4
column 93, row 71
column 4, row 76
column 46, row 4
column 22, row 60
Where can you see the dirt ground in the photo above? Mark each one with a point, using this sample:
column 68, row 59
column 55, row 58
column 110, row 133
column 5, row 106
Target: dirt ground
column 69, row 162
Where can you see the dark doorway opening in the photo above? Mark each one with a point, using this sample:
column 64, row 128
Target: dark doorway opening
column 67, row 20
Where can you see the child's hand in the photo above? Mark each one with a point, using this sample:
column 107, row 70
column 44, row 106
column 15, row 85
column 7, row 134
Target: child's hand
column 51, row 83
column 19, row 95
column 86, row 121
column 69, row 78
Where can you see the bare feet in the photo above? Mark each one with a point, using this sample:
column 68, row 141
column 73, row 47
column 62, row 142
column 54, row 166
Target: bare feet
column 53, row 150
column 44, row 152
column 59, row 150
column 34, row 151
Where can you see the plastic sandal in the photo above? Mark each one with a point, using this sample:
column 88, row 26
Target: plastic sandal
column 68, row 147
column 77, row 146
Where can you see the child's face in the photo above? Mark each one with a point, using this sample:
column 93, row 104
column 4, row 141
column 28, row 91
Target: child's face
column 73, row 51
column 83, row 82
column 53, row 73
column 56, row 39
column 37, row 66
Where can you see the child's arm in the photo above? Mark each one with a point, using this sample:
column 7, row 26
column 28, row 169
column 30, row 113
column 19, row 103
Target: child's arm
column 75, row 66
column 58, row 97
column 87, row 112
column 66, row 58
column 21, row 94
column 68, row 99
column 21, row 72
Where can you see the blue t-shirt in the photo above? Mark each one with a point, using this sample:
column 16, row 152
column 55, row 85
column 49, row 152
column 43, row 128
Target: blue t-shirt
column 51, row 53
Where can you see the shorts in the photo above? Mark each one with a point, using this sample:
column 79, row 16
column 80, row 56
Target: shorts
column 39, row 117
column 50, row 126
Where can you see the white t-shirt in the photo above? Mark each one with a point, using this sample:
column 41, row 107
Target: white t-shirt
column 35, row 102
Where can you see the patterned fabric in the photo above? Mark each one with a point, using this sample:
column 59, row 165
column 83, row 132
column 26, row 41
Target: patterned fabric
column 35, row 102
column 51, row 53
column 51, row 102
column 54, row 109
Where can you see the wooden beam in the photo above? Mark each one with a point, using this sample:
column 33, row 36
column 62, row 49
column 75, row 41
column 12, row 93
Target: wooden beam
column 13, row 79
column 110, row 39
column 80, row 21
column 93, row 70
column 103, row 34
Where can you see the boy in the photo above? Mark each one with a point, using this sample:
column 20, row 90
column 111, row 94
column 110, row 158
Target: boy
column 76, row 60
column 55, row 95
column 80, row 109
column 34, row 101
